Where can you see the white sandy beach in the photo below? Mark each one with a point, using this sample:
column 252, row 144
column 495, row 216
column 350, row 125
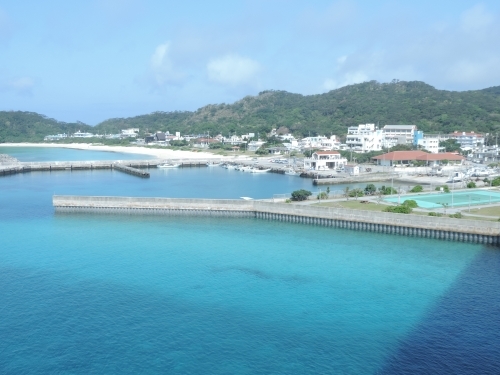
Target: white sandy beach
column 155, row 152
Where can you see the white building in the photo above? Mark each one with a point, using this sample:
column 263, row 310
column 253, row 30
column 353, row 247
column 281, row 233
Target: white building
column 80, row 134
column 56, row 137
column 398, row 135
column 254, row 145
column 130, row 133
column 320, row 142
column 325, row 160
column 468, row 140
column 364, row 138
column 352, row 169
column 430, row 143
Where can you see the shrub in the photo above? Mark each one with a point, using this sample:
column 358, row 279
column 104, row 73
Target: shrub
column 370, row 189
column 288, row 201
column 435, row 214
column 356, row 193
column 457, row 215
column 300, row 195
column 401, row 209
column 417, row 189
column 261, row 150
column 495, row 181
column 323, row 195
column 387, row 190
column 471, row 185
column 446, row 189
column 410, row 203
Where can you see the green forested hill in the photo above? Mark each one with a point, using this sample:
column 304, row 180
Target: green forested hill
column 331, row 113
column 17, row 126
column 397, row 102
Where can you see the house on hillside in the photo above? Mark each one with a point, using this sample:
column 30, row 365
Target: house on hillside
column 160, row 137
column 204, row 142
column 278, row 150
column 325, row 160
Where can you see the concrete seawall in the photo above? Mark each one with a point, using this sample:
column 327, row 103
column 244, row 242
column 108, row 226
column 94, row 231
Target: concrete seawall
column 121, row 165
column 408, row 225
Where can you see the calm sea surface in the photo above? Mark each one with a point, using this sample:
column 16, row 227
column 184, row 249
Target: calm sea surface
column 84, row 294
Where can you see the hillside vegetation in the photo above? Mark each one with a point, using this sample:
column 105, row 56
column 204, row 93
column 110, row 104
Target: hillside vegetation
column 398, row 102
column 17, row 126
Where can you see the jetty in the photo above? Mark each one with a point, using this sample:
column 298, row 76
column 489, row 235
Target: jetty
column 133, row 167
column 444, row 228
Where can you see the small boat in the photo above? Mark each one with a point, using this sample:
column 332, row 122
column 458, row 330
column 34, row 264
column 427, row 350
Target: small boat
column 168, row 165
column 212, row 164
column 256, row 170
column 291, row 172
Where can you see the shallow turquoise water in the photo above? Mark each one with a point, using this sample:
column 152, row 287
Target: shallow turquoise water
column 144, row 294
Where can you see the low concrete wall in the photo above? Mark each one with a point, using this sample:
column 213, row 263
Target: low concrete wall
column 372, row 177
column 425, row 226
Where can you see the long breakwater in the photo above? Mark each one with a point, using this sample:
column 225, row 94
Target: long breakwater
column 127, row 166
column 384, row 222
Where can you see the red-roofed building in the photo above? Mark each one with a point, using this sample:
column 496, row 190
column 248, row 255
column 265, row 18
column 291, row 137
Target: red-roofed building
column 325, row 160
column 409, row 157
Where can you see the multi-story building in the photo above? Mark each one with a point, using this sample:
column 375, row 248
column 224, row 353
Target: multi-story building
column 364, row 138
column 398, row 134
column 325, row 160
column 468, row 140
column 319, row 142
column 430, row 142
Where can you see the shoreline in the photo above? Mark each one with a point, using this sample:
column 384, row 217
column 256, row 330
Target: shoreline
column 157, row 153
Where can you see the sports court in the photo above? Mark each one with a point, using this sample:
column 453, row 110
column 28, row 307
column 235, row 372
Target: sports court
column 452, row 199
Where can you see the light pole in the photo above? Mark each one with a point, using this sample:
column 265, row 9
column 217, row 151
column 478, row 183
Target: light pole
column 452, row 190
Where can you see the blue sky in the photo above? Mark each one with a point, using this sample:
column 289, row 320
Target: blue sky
column 98, row 59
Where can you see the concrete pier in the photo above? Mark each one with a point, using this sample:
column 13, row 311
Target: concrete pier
column 474, row 231
column 121, row 165
column 130, row 170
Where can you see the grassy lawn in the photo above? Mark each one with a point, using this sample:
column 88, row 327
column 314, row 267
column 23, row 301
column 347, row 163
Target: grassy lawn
column 487, row 211
column 494, row 212
column 357, row 205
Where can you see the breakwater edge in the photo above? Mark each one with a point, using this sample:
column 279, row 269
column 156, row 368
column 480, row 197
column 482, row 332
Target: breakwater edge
column 473, row 231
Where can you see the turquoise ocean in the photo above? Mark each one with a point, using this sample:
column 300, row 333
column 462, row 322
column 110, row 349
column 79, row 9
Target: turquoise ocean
column 82, row 294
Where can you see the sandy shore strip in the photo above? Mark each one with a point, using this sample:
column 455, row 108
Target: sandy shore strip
column 155, row 152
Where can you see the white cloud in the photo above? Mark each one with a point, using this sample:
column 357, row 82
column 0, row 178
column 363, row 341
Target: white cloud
column 476, row 19
column 233, row 70
column 20, row 86
column 469, row 71
column 345, row 79
column 162, row 68
column 459, row 54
